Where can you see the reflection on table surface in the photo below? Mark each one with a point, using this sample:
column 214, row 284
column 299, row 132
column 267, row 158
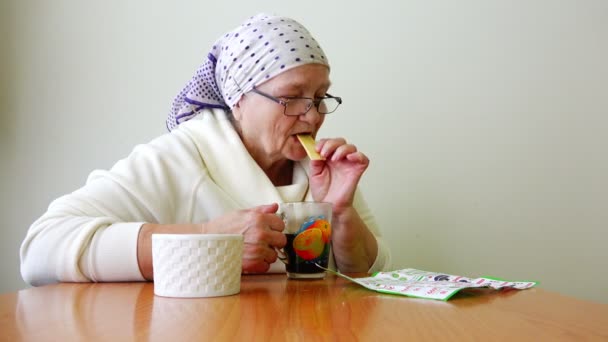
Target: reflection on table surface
column 270, row 307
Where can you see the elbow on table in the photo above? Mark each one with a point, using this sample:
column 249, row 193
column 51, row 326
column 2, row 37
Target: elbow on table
column 34, row 275
column 39, row 262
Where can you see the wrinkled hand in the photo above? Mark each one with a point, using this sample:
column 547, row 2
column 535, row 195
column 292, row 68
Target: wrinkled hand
column 262, row 233
column 335, row 179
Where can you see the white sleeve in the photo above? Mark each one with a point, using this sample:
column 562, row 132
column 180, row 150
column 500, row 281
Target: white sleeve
column 91, row 234
column 73, row 233
column 383, row 259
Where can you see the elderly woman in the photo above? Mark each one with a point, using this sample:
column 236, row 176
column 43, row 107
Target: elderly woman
column 231, row 156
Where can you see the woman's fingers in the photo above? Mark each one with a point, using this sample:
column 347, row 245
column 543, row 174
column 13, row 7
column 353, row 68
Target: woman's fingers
column 337, row 149
column 259, row 252
column 262, row 231
column 342, row 151
column 257, row 257
column 266, row 236
column 358, row 157
column 326, row 147
column 275, row 222
column 254, row 266
column 263, row 235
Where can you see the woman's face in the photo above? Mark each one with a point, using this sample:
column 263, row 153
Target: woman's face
column 268, row 134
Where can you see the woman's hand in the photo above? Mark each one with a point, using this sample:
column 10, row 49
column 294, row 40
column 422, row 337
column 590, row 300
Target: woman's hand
column 335, row 179
column 262, row 233
column 261, row 229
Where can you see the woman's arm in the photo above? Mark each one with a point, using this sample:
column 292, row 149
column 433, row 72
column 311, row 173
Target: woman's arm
column 92, row 234
column 260, row 227
column 355, row 237
column 354, row 246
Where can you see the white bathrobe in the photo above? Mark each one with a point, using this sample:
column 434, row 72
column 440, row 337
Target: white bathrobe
column 196, row 173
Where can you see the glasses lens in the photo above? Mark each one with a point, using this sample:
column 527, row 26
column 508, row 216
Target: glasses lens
column 328, row 105
column 297, row 106
column 302, row 106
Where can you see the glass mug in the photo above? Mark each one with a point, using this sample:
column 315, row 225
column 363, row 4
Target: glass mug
column 308, row 232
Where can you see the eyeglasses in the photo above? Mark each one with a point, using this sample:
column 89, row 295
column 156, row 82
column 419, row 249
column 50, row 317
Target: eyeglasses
column 295, row 106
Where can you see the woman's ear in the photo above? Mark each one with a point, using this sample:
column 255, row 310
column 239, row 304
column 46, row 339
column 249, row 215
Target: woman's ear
column 237, row 111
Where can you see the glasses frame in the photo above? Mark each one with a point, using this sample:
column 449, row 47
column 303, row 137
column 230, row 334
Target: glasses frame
column 284, row 100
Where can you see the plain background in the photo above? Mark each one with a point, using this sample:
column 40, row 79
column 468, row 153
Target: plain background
column 486, row 121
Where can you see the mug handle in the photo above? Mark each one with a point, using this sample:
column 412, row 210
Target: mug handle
column 280, row 251
column 282, row 256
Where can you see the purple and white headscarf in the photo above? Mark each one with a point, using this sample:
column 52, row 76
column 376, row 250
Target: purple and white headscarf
column 259, row 49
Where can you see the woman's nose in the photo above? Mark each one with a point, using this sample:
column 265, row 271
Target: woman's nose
column 312, row 116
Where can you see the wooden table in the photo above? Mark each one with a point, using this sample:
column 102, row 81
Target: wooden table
column 270, row 307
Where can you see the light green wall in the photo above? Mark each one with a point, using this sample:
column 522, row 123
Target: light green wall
column 485, row 121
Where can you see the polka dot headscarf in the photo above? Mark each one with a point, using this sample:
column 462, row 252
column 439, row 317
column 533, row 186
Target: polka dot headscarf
column 259, row 49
